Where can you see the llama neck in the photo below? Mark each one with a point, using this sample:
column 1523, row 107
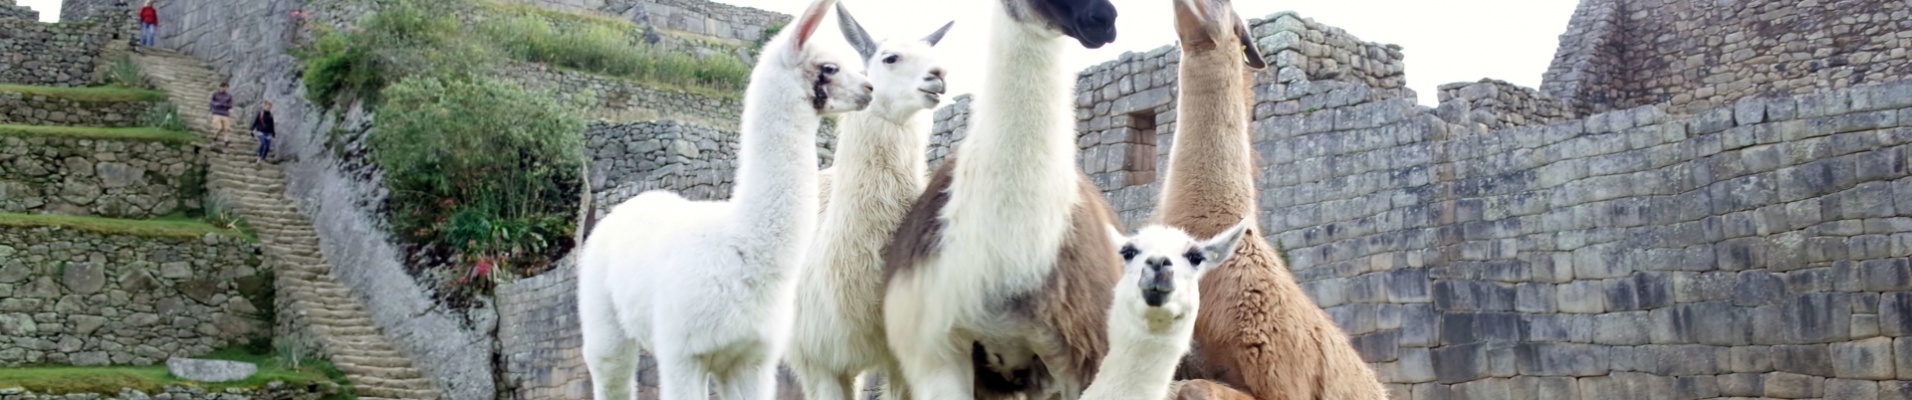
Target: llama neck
column 775, row 194
column 1014, row 181
column 880, row 168
column 1140, row 365
column 1211, row 176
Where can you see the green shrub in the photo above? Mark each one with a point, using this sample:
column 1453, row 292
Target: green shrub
column 125, row 73
column 166, row 116
column 482, row 169
column 405, row 37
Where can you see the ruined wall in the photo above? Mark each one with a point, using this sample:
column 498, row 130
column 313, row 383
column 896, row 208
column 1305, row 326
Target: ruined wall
column 18, row 108
column 8, row 10
column 699, row 17
column 1693, row 55
column 624, row 101
column 695, row 161
column 75, row 10
column 75, row 297
column 108, row 178
column 1498, row 104
column 62, row 54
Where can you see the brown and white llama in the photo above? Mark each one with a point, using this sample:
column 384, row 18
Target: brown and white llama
column 1257, row 330
column 1004, row 261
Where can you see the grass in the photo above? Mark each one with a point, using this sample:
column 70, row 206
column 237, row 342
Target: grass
column 154, row 378
column 607, row 47
column 165, row 227
column 140, row 134
column 88, row 94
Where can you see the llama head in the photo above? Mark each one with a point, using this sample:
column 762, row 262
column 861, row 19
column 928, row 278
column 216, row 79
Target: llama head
column 794, row 63
column 1212, row 25
column 907, row 74
column 1161, row 270
column 1091, row 22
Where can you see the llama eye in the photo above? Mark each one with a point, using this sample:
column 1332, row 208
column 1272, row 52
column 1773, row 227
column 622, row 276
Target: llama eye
column 1129, row 252
column 1195, row 257
column 829, row 69
column 891, row 59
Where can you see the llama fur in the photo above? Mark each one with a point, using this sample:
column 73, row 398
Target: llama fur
column 1004, row 258
column 1152, row 317
column 880, row 170
column 707, row 287
column 1256, row 330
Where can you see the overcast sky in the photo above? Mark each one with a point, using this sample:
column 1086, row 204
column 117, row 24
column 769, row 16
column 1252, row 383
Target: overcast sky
column 1445, row 40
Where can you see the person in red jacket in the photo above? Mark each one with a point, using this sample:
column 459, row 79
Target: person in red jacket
column 148, row 25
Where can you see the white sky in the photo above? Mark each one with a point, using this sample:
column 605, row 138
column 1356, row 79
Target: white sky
column 1445, row 40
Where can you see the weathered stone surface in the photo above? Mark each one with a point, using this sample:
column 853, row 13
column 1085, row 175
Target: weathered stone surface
column 1863, row 359
column 1815, row 359
column 1852, row 389
column 210, row 370
column 1557, row 359
column 1793, row 386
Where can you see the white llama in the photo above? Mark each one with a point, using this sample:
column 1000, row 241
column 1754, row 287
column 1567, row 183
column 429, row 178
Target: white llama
column 1152, row 318
column 1003, row 258
column 879, row 171
column 707, row 287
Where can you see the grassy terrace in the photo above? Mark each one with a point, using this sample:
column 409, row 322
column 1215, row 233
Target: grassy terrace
column 87, row 94
column 164, row 227
column 152, row 379
column 141, row 134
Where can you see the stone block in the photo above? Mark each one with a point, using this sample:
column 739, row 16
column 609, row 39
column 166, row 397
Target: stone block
column 1419, row 325
column 1788, row 385
column 1561, row 359
column 1810, row 359
column 1865, row 325
column 210, row 370
column 1467, row 362
column 1621, row 328
column 1895, row 314
column 1750, row 110
column 1863, row 359
column 1706, row 286
column 1887, row 275
column 1534, row 298
column 1742, row 385
column 1682, row 360
column 1804, row 318
column 1641, row 291
column 1469, row 295
column 1895, row 390
column 1702, row 323
column 1378, row 347
column 1415, row 365
column 1407, row 286
column 1553, row 388
column 1569, row 328
column 1852, row 389
column 1470, row 327
column 1696, row 387
column 1583, row 296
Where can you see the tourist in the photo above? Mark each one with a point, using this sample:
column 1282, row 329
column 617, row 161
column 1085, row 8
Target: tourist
column 264, row 130
column 221, row 108
column 148, row 25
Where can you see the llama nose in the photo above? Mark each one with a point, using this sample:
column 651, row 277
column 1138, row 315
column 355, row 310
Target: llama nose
column 868, row 88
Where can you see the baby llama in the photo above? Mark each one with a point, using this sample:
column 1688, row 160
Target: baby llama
column 1153, row 315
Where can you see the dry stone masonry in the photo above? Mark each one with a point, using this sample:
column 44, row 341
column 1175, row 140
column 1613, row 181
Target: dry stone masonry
column 623, row 101
column 109, row 178
column 63, row 54
column 19, row 108
column 9, row 10
column 75, row 297
column 1498, row 104
column 1696, row 55
column 695, row 161
column 272, row 390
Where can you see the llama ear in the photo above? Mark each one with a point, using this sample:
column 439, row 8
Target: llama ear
column 806, row 26
column 1248, row 47
column 855, row 34
column 1220, row 247
column 1116, row 238
column 937, row 36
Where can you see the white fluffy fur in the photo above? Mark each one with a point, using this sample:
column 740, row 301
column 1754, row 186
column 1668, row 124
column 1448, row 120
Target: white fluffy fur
column 879, row 172
column 707, row 287
column 1146, row 341
column 1012, row 193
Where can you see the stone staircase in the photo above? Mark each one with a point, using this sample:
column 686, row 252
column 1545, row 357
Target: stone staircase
column 334, row 314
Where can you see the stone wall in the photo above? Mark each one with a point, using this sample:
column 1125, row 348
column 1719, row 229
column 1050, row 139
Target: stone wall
column 273, row 390
column 75, row 10
column 624, row 101
column 10, row 11
column 108, row 178
column 538, row 336
column 62, row 54
column 87, row 298
column 1694, row 55
column 699, row 17
column 695, row 161
column 1498, row 104
column 33, row 109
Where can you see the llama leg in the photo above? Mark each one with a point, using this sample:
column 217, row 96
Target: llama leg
column 822, row 384
column 613, row 365
column 894, row 386
column 934, row 372
column 681, row 378
column 753, row 382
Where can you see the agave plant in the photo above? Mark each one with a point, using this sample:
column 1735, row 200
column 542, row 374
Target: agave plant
column 125, row 73
column 220, row 213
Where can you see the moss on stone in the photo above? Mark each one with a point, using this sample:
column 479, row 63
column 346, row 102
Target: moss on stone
column 173, row 228
column 87, row 94
column 141, row 134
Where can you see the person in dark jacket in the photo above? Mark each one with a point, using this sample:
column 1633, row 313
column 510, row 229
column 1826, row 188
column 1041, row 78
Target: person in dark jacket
column 264, row 129
column 220, row 106
column 148, row 25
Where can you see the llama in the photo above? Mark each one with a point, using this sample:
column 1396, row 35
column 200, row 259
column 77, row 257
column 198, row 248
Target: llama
column 1003, row 260
column 879, row 171
column 1153, row 315
column 707, row 287
column 1259, row 331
